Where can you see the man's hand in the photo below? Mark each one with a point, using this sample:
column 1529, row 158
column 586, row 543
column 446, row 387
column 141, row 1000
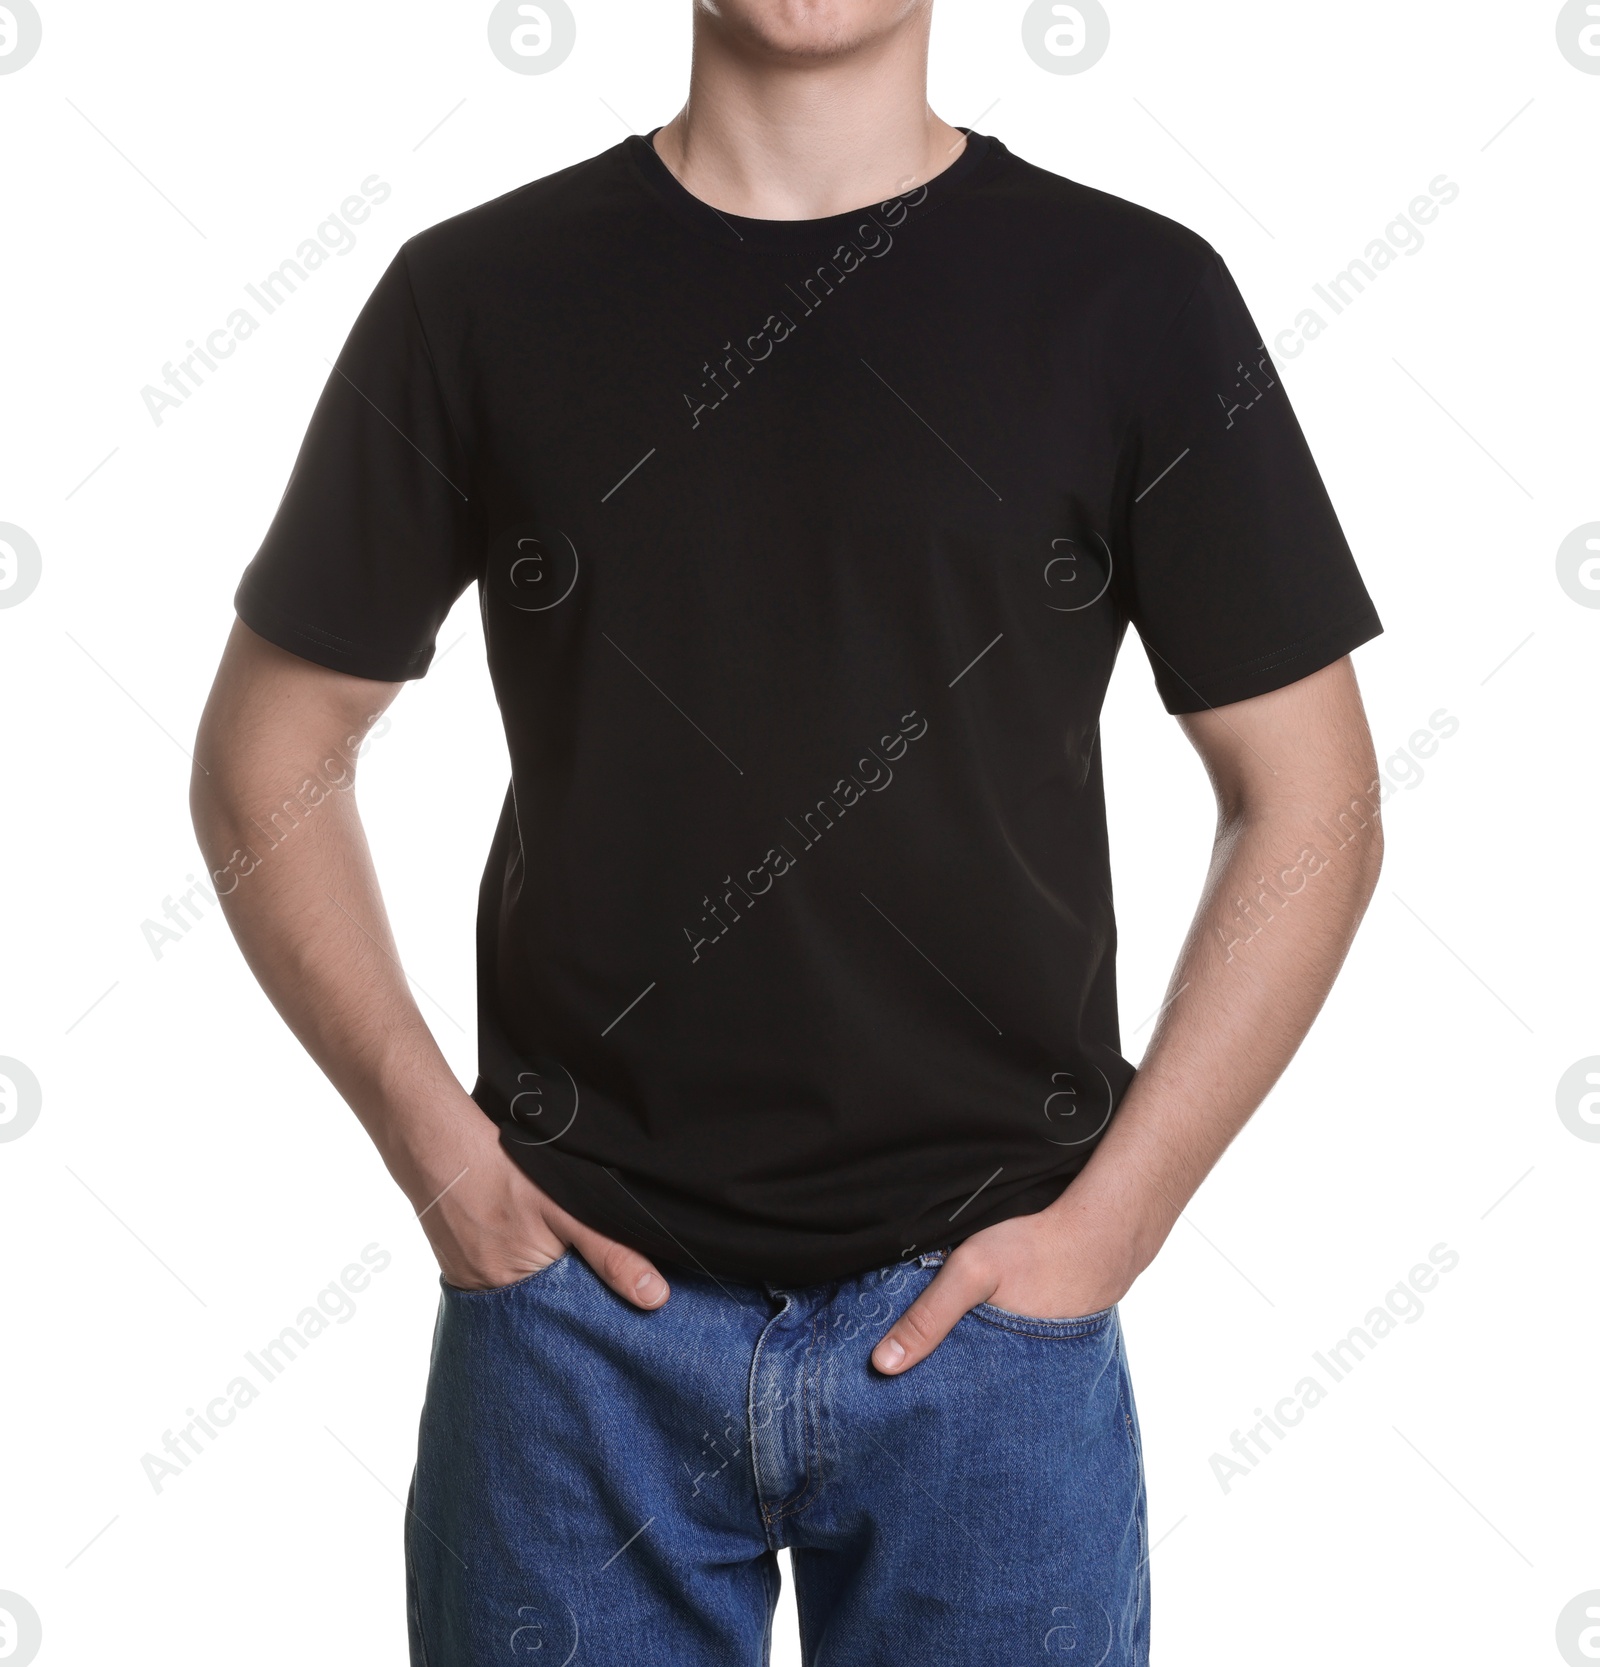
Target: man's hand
column 491, row 1225
column 275, row 815
column 1294, row 861
column 1049, row 1265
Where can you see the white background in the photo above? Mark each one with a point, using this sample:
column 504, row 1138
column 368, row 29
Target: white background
column 192, row 1183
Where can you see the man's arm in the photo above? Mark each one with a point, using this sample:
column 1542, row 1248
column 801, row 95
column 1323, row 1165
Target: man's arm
column 1286, row 767
column 291, row 865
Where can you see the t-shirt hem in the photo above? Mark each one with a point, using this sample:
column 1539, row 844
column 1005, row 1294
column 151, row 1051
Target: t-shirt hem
column 609, row 1206
column 325, row 648
column 1274, row 670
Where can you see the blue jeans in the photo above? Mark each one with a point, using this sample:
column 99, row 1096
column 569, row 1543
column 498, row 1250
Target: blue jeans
column 605, row 1487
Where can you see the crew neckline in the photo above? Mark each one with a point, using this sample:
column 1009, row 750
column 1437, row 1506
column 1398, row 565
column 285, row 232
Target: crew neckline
column 735, row 231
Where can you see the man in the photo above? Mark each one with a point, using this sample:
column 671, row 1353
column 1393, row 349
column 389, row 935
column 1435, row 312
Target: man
column 806, row 535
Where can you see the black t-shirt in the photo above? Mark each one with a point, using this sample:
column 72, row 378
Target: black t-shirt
column 804, row 551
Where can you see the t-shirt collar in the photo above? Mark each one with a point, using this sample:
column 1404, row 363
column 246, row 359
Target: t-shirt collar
column 736, row 230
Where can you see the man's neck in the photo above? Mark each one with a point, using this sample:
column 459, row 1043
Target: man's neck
column 775, row 139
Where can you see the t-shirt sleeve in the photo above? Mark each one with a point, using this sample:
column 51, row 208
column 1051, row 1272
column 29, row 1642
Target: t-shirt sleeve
column 1233, row 566
column 374, row 538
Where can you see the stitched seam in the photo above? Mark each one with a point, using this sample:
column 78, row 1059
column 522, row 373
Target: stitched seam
column 797, row 1500
column 767, row 1517
column 769, row 1583
column 1289, row 650
column 774, row 1511
column 670, row 206
column 802, row 1496
column 1025, row 1330
column 314, row 634
column 422, row 1641
column 515, row 1285
column 1285, row 652
column 1141, row 1507
column 1139, row 1510
column 412, row 1597
column 817, row 1406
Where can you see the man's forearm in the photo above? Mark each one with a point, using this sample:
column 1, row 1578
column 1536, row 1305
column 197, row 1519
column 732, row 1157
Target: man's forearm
column 276, row 817
column 295, row 878
column 1283, row 897
column 310, row 922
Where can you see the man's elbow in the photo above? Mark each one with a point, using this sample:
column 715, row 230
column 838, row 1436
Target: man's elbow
column 212, row 784
column 1359, row 825
column 1372, row 858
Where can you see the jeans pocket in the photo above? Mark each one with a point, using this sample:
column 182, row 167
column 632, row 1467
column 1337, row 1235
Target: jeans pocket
column 1030, row 1325
column 505, row 1290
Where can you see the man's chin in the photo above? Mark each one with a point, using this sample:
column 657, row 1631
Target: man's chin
column 808, row 31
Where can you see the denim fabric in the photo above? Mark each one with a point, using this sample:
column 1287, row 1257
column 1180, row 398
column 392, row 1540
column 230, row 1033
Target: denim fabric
column 603, row 1487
